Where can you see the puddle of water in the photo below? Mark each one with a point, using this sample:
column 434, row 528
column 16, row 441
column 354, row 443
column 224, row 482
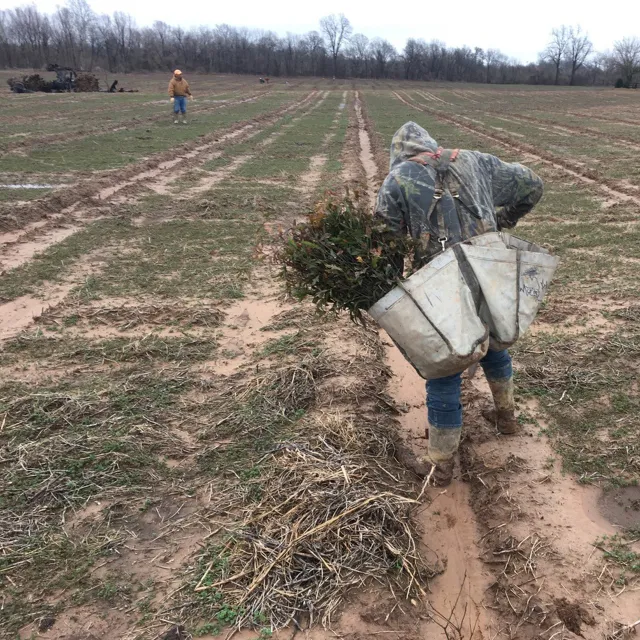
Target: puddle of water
column 27, row 186
column 621, row 506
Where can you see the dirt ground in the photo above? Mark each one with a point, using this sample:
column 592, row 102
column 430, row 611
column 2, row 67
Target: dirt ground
column 154, row 375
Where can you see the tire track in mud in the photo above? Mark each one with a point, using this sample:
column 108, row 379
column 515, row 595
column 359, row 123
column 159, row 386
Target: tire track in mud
column 591, row 116
column 448, row 523
column 539, row 526
column 621, row 193
column 366, row 158
column 17, row 315
column 54, row 139
column 201, row 151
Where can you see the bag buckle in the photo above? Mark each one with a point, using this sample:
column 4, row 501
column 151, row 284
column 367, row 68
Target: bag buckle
column 443, row 241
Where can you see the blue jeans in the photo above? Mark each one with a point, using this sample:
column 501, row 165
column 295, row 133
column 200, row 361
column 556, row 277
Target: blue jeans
column 443, row 394
column 180, row 104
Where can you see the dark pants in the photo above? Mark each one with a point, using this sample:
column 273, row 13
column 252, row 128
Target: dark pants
column 443, row 394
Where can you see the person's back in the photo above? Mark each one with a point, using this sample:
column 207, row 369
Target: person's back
column 440, row 198
column 478, row 183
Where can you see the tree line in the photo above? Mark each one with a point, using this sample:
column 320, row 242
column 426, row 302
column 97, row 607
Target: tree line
column 74, row 35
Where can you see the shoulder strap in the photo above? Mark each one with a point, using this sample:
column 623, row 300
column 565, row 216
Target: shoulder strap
column 441, row 161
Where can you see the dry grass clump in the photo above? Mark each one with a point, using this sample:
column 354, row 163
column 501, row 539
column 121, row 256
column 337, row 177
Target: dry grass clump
column 325, row 513
column 126, row 316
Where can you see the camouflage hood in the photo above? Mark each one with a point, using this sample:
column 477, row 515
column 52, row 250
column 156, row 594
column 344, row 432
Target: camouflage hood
column 408, row 141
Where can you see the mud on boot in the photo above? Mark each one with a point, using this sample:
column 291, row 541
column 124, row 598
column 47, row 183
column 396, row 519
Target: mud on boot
column 440, row 473
column 442, row 448
column 406, row 457
column 504, row 414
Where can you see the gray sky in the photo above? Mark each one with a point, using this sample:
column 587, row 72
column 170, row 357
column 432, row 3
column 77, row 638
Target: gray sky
column 519, row 29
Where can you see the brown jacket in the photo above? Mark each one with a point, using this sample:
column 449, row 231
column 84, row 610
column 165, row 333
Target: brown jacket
column 179, row 88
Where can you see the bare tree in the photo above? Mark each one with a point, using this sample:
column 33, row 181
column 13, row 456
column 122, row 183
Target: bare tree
column 336, row 29
column 578, row 49
column 383, row 52
column 413, row 56
column 494, row 58
column 74, row 35
column 626, row 54
column 358, row 53
column 162, row 32
column 556, row 49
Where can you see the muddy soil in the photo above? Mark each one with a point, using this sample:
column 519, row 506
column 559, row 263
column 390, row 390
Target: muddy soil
column 513, row 535
column 621, row 507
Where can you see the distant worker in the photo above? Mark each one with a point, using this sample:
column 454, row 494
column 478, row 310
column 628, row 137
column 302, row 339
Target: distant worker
column 178, row 92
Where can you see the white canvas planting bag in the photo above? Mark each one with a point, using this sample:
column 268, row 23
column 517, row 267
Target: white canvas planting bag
column 480, row 293
column 513, row 276
column 432, row 318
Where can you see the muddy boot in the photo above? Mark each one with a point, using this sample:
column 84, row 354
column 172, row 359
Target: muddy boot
column 406, row 457
column 504, row 416
column 442, row 448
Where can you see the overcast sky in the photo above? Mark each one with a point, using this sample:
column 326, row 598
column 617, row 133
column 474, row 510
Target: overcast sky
column 517, row 28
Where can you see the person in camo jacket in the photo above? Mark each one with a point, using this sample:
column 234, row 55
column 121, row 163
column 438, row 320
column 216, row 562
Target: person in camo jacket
column 178, row 93
column 483, row 194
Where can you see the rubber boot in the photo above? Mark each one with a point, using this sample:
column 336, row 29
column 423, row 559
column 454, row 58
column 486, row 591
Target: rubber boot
column 418, row 464
column 442, row 448
column 505, row 406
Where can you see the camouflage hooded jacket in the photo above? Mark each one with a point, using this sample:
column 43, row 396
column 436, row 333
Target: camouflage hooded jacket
column 491, row 194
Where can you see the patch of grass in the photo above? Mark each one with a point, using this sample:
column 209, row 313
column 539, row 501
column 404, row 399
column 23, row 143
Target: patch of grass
column 209, row 628
column 54, row 263
column 179, row 258
column 287, row 344
column 110, row 591
column 69, row 442
column 618, row 551
column 286, row 156
column 15, row 195
column 591, row 400
column 78, row 439
column 267, row 405
column 134, row 143
column 116, row 350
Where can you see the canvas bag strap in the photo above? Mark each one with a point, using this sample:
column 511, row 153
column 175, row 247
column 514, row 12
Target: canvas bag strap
column 441, row 161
